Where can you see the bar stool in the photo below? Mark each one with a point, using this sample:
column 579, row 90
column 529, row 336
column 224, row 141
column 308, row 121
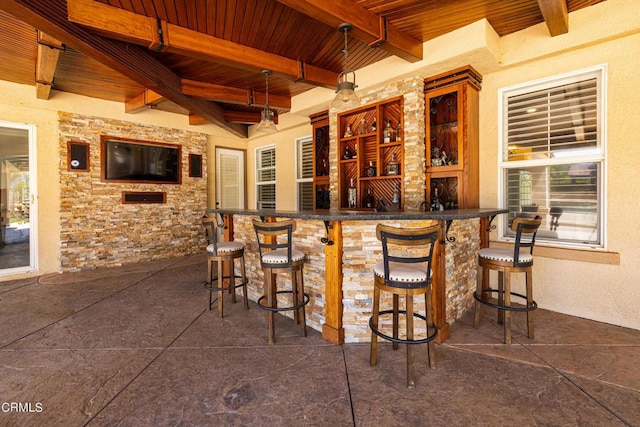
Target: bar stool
column 505, row 262
column 221, row 256
column 404, row 271
column 277, row 255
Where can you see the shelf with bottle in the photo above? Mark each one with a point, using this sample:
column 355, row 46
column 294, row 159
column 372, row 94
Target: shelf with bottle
column 348, row 149
column 360, row 123
column 385, row 194
column 443, row 193
column 377, row 165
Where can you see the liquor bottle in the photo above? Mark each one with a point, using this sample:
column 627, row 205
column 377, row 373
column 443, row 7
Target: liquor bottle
column 393, row 167
column 348, row 132
column 362, row 129
column 347, row 153
column 399, row 132
column 395, row 199
column 436, row 203
column 371, row 170
column 352, row 194
column 374, row 126
column 387, row 133
column 369, row 202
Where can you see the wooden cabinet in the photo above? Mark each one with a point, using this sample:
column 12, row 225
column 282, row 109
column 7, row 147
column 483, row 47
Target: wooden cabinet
column 320, row 125
column 371, row 157
column 452, row 130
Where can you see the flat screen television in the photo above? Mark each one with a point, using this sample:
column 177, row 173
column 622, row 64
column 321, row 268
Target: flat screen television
column 127, row 160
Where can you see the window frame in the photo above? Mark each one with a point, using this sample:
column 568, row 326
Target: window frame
column 299, row 160
column 259, row 168
column 599, row 157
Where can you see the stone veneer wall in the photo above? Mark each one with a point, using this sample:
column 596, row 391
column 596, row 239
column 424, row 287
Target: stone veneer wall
column 361, row 250
column 97, row 229
column 307, row 239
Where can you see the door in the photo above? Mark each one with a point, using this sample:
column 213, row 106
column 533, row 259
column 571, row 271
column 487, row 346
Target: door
column 230, row 178
column 18, row 241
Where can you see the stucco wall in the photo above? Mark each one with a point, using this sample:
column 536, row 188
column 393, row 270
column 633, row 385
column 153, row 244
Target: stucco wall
column 609, row 35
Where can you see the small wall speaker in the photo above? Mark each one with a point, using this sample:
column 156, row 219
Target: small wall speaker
column 195, row 165
column 77, row 156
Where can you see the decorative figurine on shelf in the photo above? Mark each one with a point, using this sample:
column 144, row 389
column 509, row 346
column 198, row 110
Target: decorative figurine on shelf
column 393, row 167
column 348, row 132
column 374, row 126
column 347, row 153
column 369, row 201
column 371, row 170
column 352, row 194
column 395, row 199
column 435, row 157
column 362, row 129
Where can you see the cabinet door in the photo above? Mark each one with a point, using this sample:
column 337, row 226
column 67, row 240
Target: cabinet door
column 446, row 191
column 321, row 151
column 445, row 122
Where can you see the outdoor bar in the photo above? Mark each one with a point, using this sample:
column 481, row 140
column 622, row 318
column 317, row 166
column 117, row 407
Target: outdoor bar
column 341, row 248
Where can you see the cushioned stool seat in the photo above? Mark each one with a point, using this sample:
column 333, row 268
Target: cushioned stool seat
column 505, row 262
column 221, row 256
column 405, row 270
column 281, row 257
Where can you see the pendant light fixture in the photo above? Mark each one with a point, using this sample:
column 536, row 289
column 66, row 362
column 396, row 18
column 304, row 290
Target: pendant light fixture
column 266, row 124
column 346, row 97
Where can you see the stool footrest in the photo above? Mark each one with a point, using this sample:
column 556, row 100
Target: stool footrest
column 213, row 285
column 529, row 307
column 400, row 340
column 287, row 308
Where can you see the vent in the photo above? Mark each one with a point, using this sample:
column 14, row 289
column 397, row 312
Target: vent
column 144, row 197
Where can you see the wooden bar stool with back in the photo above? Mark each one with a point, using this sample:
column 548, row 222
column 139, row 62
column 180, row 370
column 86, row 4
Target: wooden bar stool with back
column 404, row 271
column 278, row 255
column 505, row 262
column 221, row 257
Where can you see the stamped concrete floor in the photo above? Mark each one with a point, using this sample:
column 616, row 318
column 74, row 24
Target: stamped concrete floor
column 135, row 346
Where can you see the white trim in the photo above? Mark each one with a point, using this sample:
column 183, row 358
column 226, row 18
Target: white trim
column 257, row 160
column 598, row 71
column 33, row 199
column 298, row 141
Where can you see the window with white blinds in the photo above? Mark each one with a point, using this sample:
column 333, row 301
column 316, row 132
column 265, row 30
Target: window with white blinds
column 553, row 156
column 304, row 172
column 266, row 177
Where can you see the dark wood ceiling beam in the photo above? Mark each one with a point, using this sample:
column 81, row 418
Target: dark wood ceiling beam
column 367, row 26
column 50, row 16
column 243, row 117
column 162, row 36
column 555, row 15
column 49, row 50
column 231, row 95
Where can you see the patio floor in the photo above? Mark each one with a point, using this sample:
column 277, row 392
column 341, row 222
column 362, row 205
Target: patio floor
column 136, row 346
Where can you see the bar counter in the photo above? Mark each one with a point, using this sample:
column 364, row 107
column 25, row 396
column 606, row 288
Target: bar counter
column 347, row 239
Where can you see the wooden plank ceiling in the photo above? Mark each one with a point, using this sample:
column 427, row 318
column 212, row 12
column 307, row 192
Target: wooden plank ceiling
column 204, row 57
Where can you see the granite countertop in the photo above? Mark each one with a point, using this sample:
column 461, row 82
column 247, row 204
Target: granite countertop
column 363, row 215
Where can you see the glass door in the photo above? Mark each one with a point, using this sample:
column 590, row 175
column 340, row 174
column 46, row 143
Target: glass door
column 17, row 180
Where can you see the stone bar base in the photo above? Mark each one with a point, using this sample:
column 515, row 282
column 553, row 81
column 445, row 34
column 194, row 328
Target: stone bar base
column 360, row 251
